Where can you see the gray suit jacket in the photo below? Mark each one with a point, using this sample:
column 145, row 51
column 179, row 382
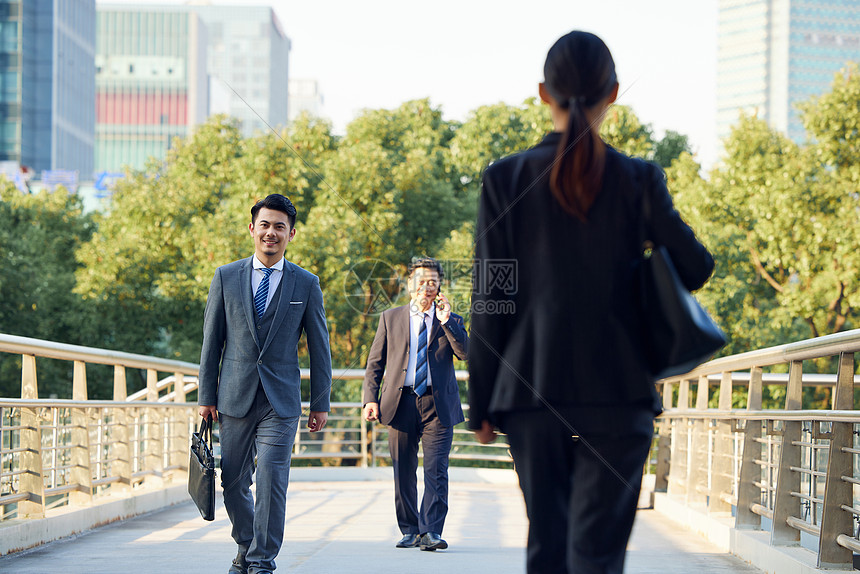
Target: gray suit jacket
column 389, row 355
column 232, row 362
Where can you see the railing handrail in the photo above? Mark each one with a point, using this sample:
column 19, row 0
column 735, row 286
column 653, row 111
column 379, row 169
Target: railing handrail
column 65, row 351
column 53, row 350
column 827, row 345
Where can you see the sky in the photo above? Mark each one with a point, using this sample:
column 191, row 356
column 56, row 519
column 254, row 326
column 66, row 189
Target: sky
column 466, row 53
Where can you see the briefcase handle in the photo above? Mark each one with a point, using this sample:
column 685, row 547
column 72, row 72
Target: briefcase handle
column 205, row 431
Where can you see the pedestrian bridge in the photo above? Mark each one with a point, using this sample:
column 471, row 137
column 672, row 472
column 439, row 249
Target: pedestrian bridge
column 97, row 486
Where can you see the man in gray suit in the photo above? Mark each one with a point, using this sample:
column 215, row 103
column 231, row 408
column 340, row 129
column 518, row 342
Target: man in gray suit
column 249, row 378
column 414, row 348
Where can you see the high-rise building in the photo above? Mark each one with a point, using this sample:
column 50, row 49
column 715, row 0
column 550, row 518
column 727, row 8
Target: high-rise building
column 773, row 54
column 151, row 82
column 248, row 64
column 305, row 96
column 47, row 84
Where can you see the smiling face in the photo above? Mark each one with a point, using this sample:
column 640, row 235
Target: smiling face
column 271, row 232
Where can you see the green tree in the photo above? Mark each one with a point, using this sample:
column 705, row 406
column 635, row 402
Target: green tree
column 622, row 130
column 388, row 196
column 38, row 238
column 493, row 132
column 172, row 224
column 670, row 148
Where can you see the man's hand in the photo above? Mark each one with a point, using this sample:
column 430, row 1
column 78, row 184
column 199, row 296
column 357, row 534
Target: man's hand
column 371, row 411
column 317, row 420
column 208, row 412
column 443, row 308
column 486, row 434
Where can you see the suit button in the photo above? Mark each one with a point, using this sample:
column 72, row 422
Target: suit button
column 258, row 327
column 259, row 362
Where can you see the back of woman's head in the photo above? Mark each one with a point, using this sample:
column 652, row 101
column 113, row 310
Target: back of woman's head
column 579, row 73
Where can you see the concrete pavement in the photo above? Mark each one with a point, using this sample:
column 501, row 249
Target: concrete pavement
column 343, row 522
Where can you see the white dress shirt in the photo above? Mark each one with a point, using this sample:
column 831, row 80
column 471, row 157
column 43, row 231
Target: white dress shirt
column 274, row 279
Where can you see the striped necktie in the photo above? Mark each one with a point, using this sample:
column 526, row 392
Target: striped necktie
column 262, row 291
column 421, row 360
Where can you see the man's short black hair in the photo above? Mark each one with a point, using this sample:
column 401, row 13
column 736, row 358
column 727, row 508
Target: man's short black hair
column 426, row 263
column 277, row 202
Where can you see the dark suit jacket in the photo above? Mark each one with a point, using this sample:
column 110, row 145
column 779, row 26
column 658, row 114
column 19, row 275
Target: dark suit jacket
column 232, row 361
column 389, row 355
column 570, row 332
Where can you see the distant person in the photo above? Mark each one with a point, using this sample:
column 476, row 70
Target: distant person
column 562, row 371
column 411, row 364
column 249, row 378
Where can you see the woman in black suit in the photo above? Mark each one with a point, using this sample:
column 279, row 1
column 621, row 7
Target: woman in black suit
column 557, row 360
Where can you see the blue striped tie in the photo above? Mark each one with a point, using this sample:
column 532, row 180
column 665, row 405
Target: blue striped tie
column 421, row 360
column 263, row 291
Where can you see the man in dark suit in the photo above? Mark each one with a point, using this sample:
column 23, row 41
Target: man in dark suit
column 249, row 378
column 414, row 347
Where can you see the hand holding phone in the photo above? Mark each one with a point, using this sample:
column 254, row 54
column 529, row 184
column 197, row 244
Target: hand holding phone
column 443, row 307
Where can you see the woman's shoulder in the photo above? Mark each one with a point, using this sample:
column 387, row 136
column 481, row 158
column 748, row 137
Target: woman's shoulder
column 635, row 169
column 542, row 151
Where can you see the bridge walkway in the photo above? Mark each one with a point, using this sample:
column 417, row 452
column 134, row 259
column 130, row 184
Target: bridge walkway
column 348, row 526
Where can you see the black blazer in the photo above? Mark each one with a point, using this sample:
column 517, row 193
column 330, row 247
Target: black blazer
column 565, row 332
column 389, row 355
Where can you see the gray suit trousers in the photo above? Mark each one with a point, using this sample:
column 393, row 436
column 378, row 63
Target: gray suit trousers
column 258, row 526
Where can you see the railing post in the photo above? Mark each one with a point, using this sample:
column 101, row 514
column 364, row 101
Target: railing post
column 787, row 480
column 697, row 473
column 664, row 444
column 81, row 471
column 680, row 455
column 373, row 444
column 748, row 492
column 180, row 439
column 363, row 425
column 722, row 467
column 154, row 455
column 119, row 432
column 837, row 491
column 178, row 388
column 30, row 459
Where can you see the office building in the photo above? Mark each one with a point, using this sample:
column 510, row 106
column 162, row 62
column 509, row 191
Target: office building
column 773, row 54
column 47, row 84
column 151, row 83
column 248, row 65
column 305, row 96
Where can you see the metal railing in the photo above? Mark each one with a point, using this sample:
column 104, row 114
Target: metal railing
column 794, row 471
column 56, row 452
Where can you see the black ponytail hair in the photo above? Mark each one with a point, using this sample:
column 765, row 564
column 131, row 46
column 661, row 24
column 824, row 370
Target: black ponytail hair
column 579, row 72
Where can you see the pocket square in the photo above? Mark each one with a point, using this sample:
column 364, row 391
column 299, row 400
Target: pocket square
column 297, row 302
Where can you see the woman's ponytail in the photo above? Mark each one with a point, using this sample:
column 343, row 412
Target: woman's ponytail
column 577, row 171
column 579, row 74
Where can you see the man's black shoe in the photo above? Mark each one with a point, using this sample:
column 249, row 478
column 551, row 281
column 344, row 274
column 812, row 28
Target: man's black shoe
column 238, row 568
column 409, row 541
column 432, row 541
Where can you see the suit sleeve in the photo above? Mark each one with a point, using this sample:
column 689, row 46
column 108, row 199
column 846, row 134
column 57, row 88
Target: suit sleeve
column 489, row 330
column 319, row 350
column 455, row 331
column 214, row 335
column 375, row 364
column 691, row 259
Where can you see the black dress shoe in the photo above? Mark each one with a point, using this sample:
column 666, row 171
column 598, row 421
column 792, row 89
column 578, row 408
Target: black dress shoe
column 409, row 541
column 432, row 541
column 239, row 566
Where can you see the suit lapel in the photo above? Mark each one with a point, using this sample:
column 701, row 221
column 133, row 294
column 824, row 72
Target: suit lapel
column 245, row 270
column 434, row 330
column 288, row 282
